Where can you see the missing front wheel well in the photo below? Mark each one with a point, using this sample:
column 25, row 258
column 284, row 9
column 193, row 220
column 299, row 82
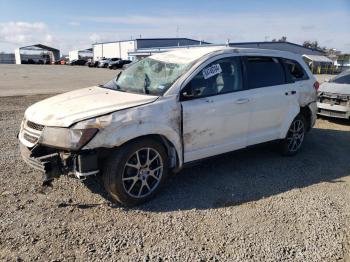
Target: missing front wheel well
column 306, row 113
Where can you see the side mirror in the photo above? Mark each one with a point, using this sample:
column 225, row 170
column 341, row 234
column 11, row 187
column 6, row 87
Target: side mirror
column 187, row 94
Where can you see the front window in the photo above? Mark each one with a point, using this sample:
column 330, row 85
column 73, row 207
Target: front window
column 148, row 76
column 219, row 77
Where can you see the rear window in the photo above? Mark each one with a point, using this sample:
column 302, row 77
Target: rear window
column 264, row 71
column 343, row 78
column 295, row 70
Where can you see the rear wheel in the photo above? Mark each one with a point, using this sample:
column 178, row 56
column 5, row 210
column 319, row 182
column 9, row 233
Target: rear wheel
column 294, row 139
column 136, row 172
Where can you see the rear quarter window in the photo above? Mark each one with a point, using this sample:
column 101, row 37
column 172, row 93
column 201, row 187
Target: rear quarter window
column 264, row 71
column 294, row 70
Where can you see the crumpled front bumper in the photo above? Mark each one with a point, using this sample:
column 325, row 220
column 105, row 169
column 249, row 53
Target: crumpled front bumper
column 53, row 163
column 338, row 111
column 48, row 164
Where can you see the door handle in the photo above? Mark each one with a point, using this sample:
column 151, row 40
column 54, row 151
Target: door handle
column 209, row 100
column 291, row 92
column 242, row 101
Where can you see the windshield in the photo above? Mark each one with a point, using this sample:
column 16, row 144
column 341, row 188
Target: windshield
column 148, row 76
column 343, row 78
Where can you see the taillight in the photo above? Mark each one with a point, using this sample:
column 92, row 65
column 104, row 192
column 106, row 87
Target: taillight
column 316, row 85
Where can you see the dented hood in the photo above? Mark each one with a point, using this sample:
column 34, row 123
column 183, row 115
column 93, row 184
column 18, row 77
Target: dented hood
column 335, row 88
column 68, row 108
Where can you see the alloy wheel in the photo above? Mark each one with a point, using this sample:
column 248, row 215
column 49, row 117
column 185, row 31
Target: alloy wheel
column 295, row 136
column 142, row 172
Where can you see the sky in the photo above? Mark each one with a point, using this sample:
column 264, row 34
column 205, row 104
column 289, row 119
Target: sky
column 70, row 25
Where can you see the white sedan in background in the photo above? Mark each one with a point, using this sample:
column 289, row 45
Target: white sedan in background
column 334, row 97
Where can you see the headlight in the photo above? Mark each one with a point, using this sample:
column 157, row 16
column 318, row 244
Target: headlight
column 66, row 138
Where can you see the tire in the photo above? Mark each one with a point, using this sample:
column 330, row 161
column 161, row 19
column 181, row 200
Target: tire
column 294, row 139
column 129, row 178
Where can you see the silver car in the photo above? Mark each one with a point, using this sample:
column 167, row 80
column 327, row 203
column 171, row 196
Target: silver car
column 334, row 97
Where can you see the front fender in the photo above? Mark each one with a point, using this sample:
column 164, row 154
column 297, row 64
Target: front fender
column 162, row 117
column 109, row 138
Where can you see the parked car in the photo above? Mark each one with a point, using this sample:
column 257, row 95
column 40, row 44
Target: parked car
column 334, row 97
column 31, row 61
column 103, row 63
column 80, row 62
column 149, row 119
column 118, row 64
column 92, row 64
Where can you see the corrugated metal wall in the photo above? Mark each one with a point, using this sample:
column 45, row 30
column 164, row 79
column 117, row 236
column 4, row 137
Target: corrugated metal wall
column 113, row 50
column 121, row 49
column 7, row 59
column 149, row 43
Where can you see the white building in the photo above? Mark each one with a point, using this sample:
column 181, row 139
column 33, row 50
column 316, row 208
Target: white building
column 121, row 49
column 80, row 54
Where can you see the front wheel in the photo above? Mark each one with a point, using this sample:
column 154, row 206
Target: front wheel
column 294, row 139
column 136, row 172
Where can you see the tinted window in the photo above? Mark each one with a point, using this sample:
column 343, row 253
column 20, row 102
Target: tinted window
column 264, row 71
column 295, row 70
column 220, row 77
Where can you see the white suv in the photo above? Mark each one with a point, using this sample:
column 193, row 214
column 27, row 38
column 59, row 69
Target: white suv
column 168, row 110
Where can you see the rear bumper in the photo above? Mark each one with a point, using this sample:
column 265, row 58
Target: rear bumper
column 336, row 111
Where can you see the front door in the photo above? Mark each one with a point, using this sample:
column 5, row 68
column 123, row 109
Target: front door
column 215, row 110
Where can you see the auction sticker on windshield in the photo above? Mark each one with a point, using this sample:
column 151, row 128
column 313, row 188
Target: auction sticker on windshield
column 211, row 71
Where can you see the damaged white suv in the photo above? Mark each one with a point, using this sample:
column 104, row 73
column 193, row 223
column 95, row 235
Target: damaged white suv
column 168, row 110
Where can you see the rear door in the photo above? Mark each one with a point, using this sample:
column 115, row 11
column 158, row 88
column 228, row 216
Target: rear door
column 271, row 97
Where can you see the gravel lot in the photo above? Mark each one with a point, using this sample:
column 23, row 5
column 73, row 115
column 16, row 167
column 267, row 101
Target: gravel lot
column 250, row 205
column 45, row 79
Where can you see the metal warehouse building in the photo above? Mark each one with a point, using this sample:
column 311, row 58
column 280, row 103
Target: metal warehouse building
column 7, row 58
column 281, row 46
column 122, row 49
column 37, row 52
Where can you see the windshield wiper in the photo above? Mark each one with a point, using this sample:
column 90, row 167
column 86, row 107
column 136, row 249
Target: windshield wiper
column 146, row 85
column 119, row 88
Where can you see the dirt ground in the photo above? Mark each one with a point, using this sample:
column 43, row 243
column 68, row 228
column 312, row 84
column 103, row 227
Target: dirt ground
column 250, row 205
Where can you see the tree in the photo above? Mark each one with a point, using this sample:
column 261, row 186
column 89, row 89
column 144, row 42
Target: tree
column 311, row 44
column 282, row 39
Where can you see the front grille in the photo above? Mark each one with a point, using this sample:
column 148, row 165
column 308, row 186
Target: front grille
column 332, row 113
column 333, row 99
column 29, row 138
column 34, row 126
